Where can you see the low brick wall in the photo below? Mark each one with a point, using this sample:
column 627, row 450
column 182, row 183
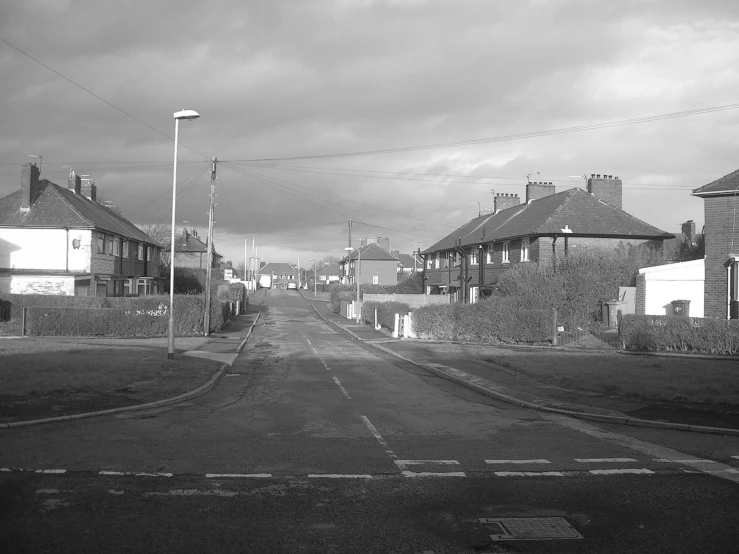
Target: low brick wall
column 413, row 300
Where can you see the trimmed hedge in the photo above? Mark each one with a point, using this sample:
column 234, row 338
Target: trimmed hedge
column 488, row 321
column 347, row 293
column 678, row 333
column 385, row 312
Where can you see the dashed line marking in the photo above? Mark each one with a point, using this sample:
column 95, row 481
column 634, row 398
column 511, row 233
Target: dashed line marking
column 735, row 457
column 238, row 475
column 343, row 390
column 402, row 465
column 604, row 460
column 529, row 474
column 137, row 473
column 644, row 471
column 339, row 476
column 377, row 436
column 433, row 474
column 692, row 461
column 51, row 471
column 539, row 461
column 417, row 462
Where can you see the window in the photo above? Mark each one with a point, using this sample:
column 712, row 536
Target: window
column 489, row 253
column 375, row 280
column 524, row 250
column 124, row 249
column 108, row 244
column 151, row 251
column 474, row 258
column 116, row 247
column 141, row 251
column 474, row 294
column 505, row 253
column 429, row 262
column 457, row 259
column 436, row 260
column 101, row 243
column 446, row 255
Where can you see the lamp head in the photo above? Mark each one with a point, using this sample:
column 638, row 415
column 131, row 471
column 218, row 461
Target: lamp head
column 186, row 114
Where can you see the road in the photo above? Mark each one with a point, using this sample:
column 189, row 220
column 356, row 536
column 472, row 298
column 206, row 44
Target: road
column 314, row 442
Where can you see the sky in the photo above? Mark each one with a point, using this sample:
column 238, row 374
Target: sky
column 286, row 89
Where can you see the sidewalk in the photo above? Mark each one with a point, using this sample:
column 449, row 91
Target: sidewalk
column 531, row 394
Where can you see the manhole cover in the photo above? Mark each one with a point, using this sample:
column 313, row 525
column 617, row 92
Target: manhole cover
column 530, row 528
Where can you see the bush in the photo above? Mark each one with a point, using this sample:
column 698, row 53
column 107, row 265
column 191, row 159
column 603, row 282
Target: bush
column 677, row 333
column 495, row 320
column 411, row 283
column 122, row 317
column 385, row 312
column 347, row 293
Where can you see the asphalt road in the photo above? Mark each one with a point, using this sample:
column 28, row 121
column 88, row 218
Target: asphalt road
column 317, row 443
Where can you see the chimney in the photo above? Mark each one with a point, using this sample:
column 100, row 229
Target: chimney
column 74, row 183
column 29, row 185
column 88, row 188
column 688, row 229
column 534, row 191
column 606, row 188
column 503, row 201
column 384, row 243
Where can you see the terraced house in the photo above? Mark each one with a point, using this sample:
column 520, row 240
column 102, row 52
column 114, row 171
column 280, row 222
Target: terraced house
column 57, row 240
column 468, row 262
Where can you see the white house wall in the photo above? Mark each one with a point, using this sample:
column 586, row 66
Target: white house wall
column 680, row 281
column 45, row 249
column 37, row 284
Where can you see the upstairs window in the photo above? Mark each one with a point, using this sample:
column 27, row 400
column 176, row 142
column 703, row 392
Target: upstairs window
column 506, row 249
column 474, row 257
column 141, row 251
column 436, row 260
column 524, row 250
column 108, row 244
column 429, row 262
column 101, row 243
column 116, row 247
column 124, row 249
column 489, row 253
column 445, row 263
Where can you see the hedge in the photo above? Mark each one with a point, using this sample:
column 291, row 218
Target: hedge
column 385, row 312
column 488, row 321
column 678, row 333
column 347, row 293
column 115, row 316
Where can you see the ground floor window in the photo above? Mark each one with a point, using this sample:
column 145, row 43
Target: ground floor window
column 474, row 294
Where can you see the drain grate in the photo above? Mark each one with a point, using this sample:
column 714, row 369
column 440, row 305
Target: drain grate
column 530, row 528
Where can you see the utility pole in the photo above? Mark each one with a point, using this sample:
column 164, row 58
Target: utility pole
column 208, row 270
column 245, row 276
column 298, row 273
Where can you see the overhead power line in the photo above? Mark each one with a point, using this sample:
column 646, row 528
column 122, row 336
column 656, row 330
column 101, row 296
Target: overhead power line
column 88, row 91
column 503, row 138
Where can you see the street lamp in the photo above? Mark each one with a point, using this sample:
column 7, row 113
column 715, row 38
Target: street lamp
column 255, row 270
column 315, row 275
column 188, row 115
column 357, row 274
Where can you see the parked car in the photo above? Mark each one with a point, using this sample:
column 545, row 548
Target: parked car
column 292, row 286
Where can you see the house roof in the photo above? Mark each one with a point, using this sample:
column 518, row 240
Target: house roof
column 574, row 209
column 372, row 251
column 57, row 207
column 276, row 268
column 407, row 260
column 728, row 184
column 330, row 269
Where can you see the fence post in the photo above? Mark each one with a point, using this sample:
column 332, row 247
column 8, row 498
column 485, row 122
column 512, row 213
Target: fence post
column 554, row 327
column 23, row 321
column 376, row 327
column 397, row 324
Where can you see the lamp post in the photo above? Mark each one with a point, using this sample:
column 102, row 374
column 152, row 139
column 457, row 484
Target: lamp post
column 255, row 270
column 357, row 274
column 315, row 275
column 188, row 115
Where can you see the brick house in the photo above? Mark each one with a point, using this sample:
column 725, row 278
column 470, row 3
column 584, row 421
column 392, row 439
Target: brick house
column 329, row 274
column 190, row 251
column 721, row 233
column 282, row 274
column 408, row 263
column 547, row 225
column 375, row 266
column 56, row 240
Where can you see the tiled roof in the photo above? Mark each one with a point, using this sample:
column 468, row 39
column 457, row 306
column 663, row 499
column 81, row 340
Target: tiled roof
column 728, row 184
column 57, row 207
column 191, row 243
column 278, row 269
column 407, row 260
column 575, row 209
column 371, row 251
column 331, row 269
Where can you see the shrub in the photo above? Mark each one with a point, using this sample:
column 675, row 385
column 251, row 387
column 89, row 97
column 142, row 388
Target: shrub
column 385, row 312
column 347, row 293
column 412, row 283
column 495, row 320
column 667, row 332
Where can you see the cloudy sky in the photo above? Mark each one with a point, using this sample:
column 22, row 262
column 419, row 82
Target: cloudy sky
column 283, row 86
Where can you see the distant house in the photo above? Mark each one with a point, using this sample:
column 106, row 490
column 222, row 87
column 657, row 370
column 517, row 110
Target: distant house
column 56, row 240
column 408, row 263
column 721, row 234
column 282, row 274
column 330, row 273
column 472, row 258
column 372, row 265
column 190, row 251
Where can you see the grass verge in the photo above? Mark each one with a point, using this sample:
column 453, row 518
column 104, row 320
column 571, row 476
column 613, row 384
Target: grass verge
column 48, row 377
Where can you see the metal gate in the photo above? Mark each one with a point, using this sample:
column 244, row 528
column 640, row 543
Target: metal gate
column 11, row 319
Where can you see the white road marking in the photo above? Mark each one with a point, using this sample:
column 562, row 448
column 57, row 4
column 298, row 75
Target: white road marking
column 540, row 461
column 695, row 461
column 402, row 465
column 3, row 469
column 238, row 475
column 324, row 364
column 343, row 390
column 115, row 492
column 377, row 436
column 735, row 457
column 603, row 460
column 529, row 474
column 136, row 473
column 618, row 471
column 192, row 492
column 432, row 474
column 47, row 491
column 53, row 471
column 338, row 476
column 417, row 462
column 653, row 450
